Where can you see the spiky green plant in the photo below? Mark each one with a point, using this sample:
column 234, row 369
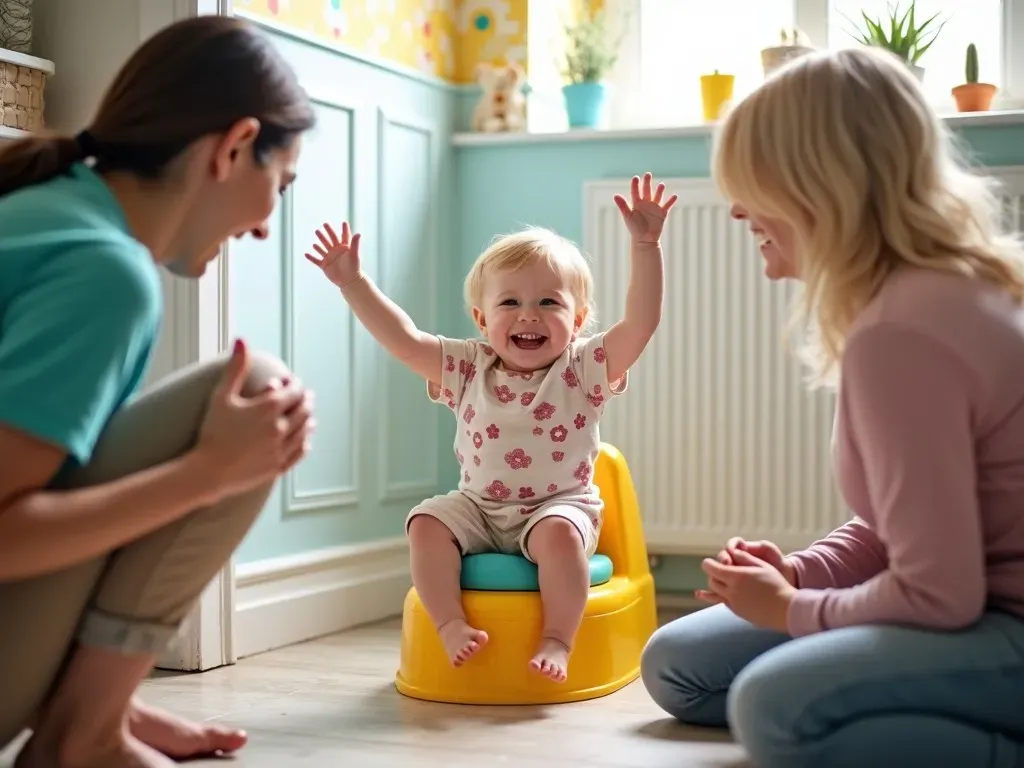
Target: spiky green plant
column 972, row 64
column 590, row 49
column 900, row 34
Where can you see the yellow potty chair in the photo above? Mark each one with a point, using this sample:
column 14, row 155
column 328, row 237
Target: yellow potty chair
column 501, row 597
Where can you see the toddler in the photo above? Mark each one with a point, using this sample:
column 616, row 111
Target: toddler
column 527, row 399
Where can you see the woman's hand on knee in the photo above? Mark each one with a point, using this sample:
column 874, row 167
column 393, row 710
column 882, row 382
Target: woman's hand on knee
column 249, row 441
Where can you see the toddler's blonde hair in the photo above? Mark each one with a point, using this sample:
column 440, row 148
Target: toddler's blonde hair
column 844, row 147
column 529, row 246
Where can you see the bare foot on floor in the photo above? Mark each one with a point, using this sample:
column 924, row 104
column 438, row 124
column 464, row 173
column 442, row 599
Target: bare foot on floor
column 551, row 660
column 131, row 753
column 461, row 641
column 180, row 738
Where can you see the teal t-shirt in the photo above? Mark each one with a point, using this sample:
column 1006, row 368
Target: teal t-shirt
column 80, row 310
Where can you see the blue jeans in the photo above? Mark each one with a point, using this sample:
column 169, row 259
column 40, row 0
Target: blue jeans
column 865, row 697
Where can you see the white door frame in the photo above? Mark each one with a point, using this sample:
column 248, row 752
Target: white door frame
column 197, row 316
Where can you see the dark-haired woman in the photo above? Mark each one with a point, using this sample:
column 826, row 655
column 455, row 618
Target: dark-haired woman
column 116, row 511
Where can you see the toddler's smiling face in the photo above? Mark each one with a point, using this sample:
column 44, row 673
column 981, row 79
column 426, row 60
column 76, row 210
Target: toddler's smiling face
column 528, row 314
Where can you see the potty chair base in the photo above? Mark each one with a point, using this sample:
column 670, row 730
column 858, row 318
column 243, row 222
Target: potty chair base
column 619, row 618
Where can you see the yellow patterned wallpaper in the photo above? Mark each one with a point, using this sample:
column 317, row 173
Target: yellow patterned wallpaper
column 445, row 38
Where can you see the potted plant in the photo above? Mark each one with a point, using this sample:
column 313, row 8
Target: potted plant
column 715, row 93
column 793, row 43
column 590, row 54
column 973, row 96
column 905, row 39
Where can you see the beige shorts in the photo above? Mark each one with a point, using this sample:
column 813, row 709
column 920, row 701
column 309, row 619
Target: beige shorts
column 506, row 529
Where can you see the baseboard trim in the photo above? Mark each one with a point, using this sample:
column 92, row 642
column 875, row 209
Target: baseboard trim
column 678, row 603
column 286, row 600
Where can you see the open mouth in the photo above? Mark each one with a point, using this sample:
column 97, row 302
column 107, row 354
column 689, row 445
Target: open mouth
column 763, row 242
column 528, row 340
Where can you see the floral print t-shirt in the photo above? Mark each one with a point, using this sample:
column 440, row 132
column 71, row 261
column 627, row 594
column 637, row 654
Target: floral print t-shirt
column 526, row 439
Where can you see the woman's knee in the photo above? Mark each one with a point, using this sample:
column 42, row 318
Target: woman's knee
column 264, row 368
column 668, row 669
column 763, row 705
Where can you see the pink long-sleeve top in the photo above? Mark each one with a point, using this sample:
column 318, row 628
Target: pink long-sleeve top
column 928, row 453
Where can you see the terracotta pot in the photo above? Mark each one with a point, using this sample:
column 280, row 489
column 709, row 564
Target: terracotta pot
column 974, row 97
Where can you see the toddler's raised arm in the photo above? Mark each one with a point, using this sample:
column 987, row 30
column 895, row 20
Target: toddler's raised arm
column 387, row 322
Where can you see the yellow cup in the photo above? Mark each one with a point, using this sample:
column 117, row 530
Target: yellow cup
column 715, row 93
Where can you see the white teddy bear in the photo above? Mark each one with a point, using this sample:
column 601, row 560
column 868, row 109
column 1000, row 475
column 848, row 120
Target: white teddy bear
column 502, row 107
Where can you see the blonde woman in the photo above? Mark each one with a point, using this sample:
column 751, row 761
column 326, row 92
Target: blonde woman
column 898, row 640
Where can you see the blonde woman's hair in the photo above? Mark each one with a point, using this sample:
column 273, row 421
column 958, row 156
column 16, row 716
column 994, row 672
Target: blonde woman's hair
column 843, row 146
column 529, row 246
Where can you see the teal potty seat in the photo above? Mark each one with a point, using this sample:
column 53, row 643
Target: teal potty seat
column 496, row 572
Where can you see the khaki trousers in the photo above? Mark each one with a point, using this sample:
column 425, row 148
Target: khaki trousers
column 133, row 600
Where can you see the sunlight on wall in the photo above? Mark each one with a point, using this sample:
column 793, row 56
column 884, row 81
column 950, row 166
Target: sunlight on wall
column 415, row 33
column 444, row 38
column 493, row 31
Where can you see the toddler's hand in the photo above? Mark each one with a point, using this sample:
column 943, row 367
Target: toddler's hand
column 339, row 258
column 645, row 218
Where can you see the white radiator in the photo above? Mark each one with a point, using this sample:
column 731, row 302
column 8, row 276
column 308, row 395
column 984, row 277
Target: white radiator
column 721, row 433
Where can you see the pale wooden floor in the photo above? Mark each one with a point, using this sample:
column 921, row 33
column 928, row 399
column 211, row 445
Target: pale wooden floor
column 332, row 702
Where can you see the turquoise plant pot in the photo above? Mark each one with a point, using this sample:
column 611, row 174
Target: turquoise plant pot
column 585, row 104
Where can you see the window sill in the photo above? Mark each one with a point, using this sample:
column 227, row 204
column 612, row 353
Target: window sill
column 471, row 139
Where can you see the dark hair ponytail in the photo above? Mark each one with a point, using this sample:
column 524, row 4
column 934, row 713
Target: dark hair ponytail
column 191, row 79
column 35, row 159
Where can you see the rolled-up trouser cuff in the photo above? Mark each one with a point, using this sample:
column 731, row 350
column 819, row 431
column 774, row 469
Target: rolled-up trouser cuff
column 125, row 636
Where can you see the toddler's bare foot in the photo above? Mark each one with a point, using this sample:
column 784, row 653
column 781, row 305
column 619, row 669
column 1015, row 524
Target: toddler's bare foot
column 461, row 641
column 551, row 660
column 129, row 753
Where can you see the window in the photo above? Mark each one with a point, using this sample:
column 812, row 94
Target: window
column 967, row 21
column 669, row 44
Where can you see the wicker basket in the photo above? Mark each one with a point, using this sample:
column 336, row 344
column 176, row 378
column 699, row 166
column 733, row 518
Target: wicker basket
column 22, row 90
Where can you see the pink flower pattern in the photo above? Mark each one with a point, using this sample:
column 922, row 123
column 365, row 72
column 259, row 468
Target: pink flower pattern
column 478, row 440
column 557, row 456
column 580, row 421
column 599, row 356
column 517, row 459
column 493, row 431
column 504, row 394
column 468, row 414
column 538, row 431
column 569, row 377
column 527, row 398
column 552, row 487
column 559, row 433
column 544, row 411
column 476, row 460
column 449, row 363
column 498, row 491
column 526, row 492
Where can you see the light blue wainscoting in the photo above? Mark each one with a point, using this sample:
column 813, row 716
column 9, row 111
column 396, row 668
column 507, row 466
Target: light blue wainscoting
column 503, row 186
column 380, row 157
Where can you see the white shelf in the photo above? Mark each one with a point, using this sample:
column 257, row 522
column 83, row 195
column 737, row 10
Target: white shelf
column 469, row 139
column 24, row 60
column 10, row 134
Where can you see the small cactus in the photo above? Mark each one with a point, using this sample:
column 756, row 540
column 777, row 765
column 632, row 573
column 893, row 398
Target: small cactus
column 972, row 64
